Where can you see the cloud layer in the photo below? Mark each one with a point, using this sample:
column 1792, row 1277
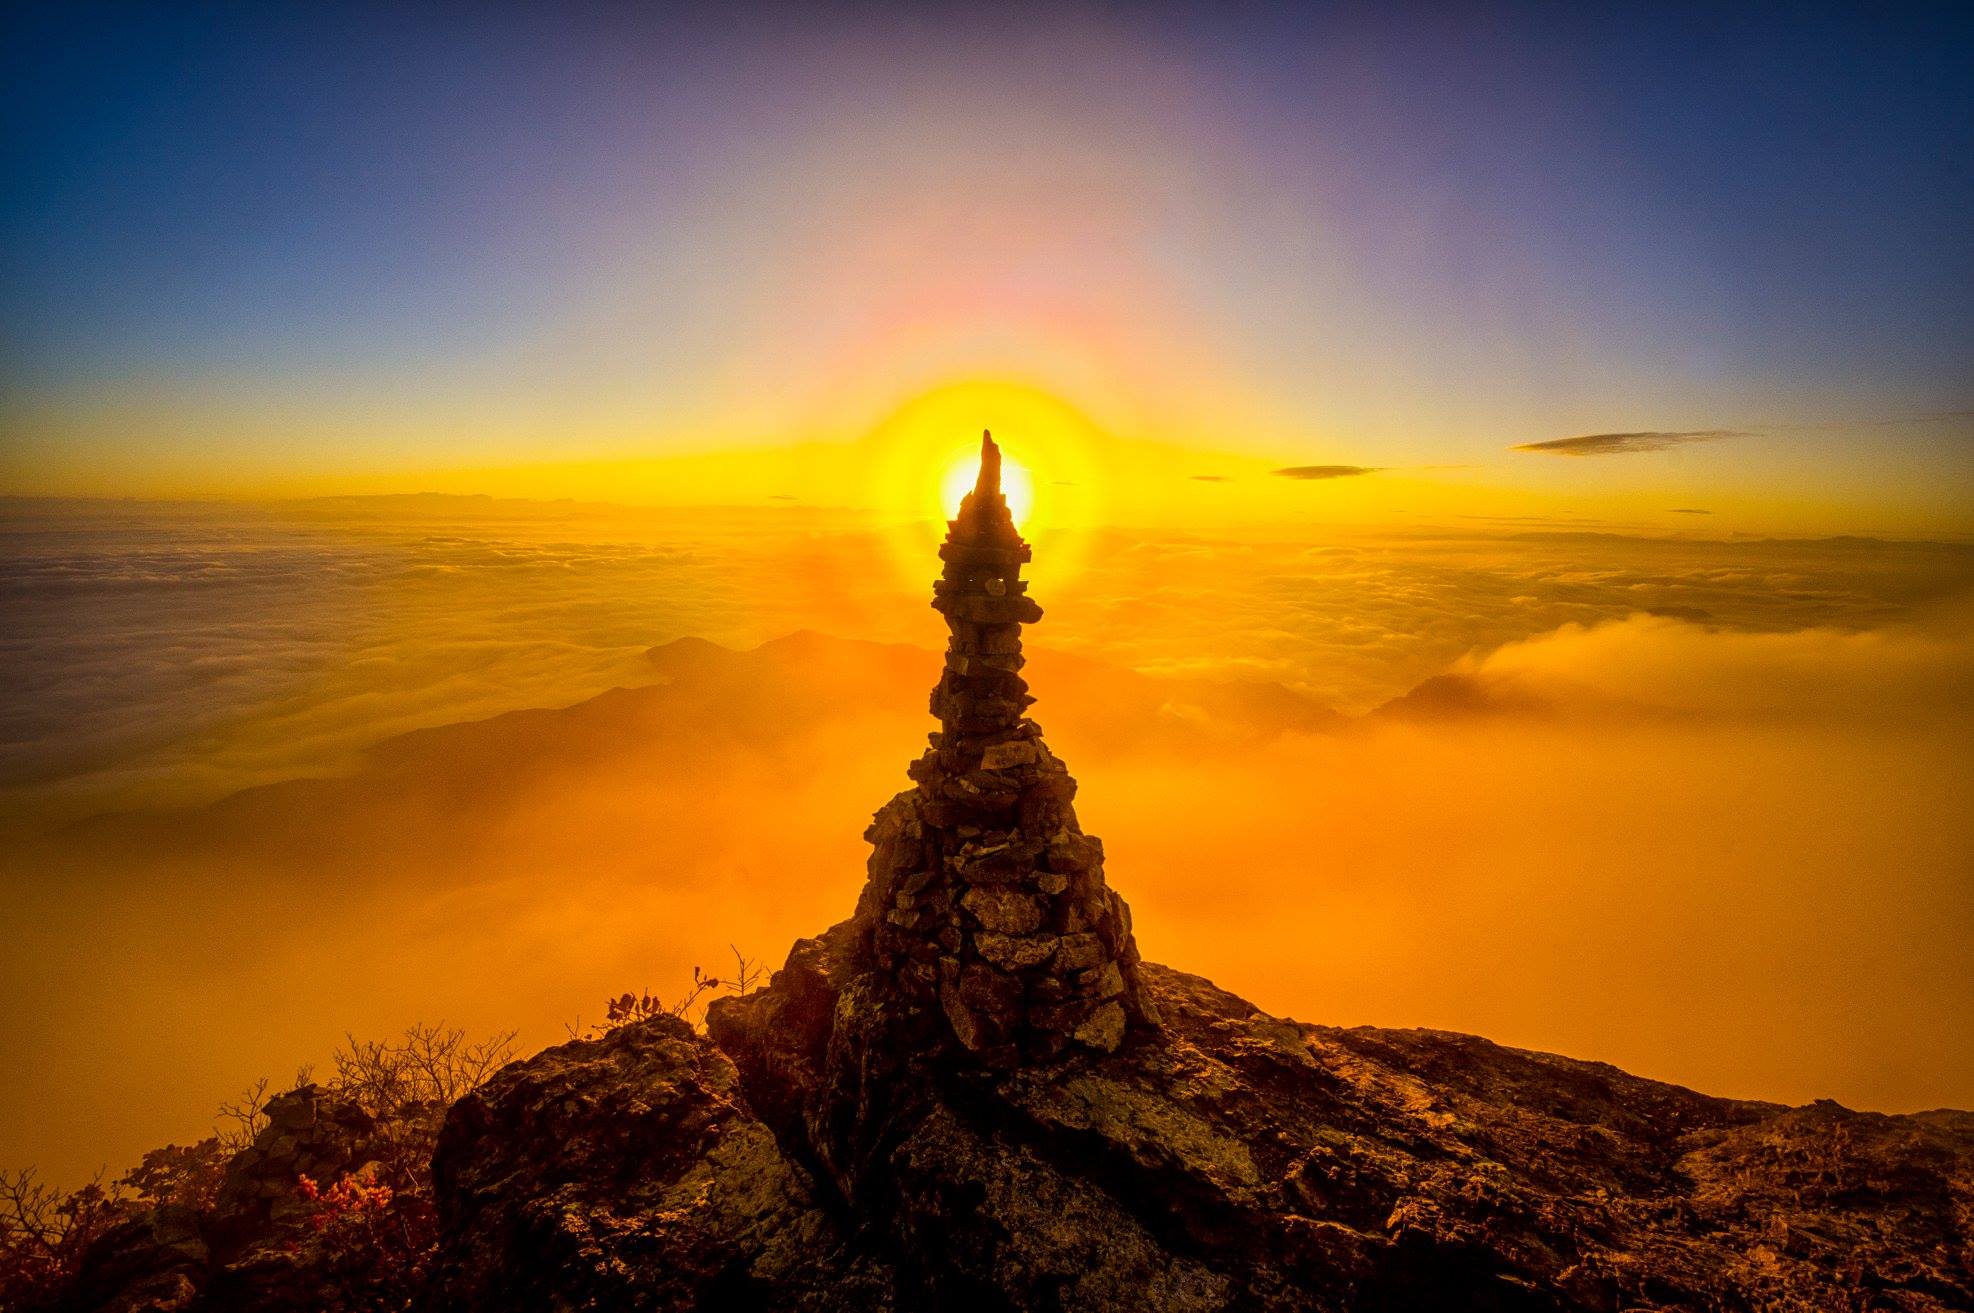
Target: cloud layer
column 175, row 655
column 1732, row 769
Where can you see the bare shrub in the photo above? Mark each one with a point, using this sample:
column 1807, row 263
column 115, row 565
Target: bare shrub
column 371, row 1233
column 407, row 1083
column 44, row 1232
column 426, row 1066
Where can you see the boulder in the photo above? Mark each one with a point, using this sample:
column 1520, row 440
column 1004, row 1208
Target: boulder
column 630, row 1172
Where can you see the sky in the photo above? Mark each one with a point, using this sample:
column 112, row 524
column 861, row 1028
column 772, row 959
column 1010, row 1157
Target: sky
column 252, row 251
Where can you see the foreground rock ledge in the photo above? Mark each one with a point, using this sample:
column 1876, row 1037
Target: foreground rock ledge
column 1228, row 1160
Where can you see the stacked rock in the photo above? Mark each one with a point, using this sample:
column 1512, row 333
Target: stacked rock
column 986, row 901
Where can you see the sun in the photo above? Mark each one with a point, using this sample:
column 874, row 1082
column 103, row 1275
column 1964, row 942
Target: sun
column 1017, row 485
column 927, row 453
column 924, row 457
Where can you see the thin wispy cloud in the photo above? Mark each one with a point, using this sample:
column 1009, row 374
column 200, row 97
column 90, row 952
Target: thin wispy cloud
column 1912, row 418
column 1327, row 471
column 1612, row 444
column 1209, row 478
column 1688, row 510
column 1615, row 444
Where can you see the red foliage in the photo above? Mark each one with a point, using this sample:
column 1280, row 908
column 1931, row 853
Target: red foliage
column 372, row 1243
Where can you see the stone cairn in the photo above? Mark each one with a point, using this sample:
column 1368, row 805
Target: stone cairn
column 986, row 901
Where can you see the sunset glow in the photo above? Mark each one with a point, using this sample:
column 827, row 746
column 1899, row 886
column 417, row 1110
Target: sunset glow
column 1500, row 488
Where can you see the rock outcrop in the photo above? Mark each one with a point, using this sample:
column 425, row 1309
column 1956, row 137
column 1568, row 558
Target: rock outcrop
column 243, row 1254
column 1225, row 1160
column 630, row 1173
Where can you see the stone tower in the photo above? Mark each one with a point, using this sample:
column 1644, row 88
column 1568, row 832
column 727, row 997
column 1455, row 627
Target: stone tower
column 986, row 903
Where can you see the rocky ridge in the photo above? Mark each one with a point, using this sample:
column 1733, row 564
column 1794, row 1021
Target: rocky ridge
column 1226, row 1160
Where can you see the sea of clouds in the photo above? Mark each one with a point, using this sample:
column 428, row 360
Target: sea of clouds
column 1697, row 807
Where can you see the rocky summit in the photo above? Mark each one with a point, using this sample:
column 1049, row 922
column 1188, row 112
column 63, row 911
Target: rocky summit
column 1226, row 1160
column 972, row 1094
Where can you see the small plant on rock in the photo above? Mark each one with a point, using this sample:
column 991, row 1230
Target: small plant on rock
column 628, row 1009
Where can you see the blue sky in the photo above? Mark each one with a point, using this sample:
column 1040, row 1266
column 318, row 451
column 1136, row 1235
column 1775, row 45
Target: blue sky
column 1343, row 217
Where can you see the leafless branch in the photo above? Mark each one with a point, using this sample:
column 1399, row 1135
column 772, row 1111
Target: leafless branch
column 248, row 1115
column 428, row 1064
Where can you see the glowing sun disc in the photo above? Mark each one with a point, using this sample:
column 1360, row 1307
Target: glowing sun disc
column 1016, row 485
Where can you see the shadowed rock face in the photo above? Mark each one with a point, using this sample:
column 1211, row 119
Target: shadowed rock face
column 1225, row 1160
column 629, row 1172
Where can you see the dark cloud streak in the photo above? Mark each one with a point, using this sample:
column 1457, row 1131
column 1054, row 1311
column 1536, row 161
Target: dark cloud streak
column 1614, row 444
column 1327, row 471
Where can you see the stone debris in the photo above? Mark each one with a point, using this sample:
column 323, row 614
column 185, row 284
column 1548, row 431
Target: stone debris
column 986, row 900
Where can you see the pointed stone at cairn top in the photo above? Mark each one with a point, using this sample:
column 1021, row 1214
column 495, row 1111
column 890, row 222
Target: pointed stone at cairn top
column 984, row 518
column 989, row 482
column 986, row 905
